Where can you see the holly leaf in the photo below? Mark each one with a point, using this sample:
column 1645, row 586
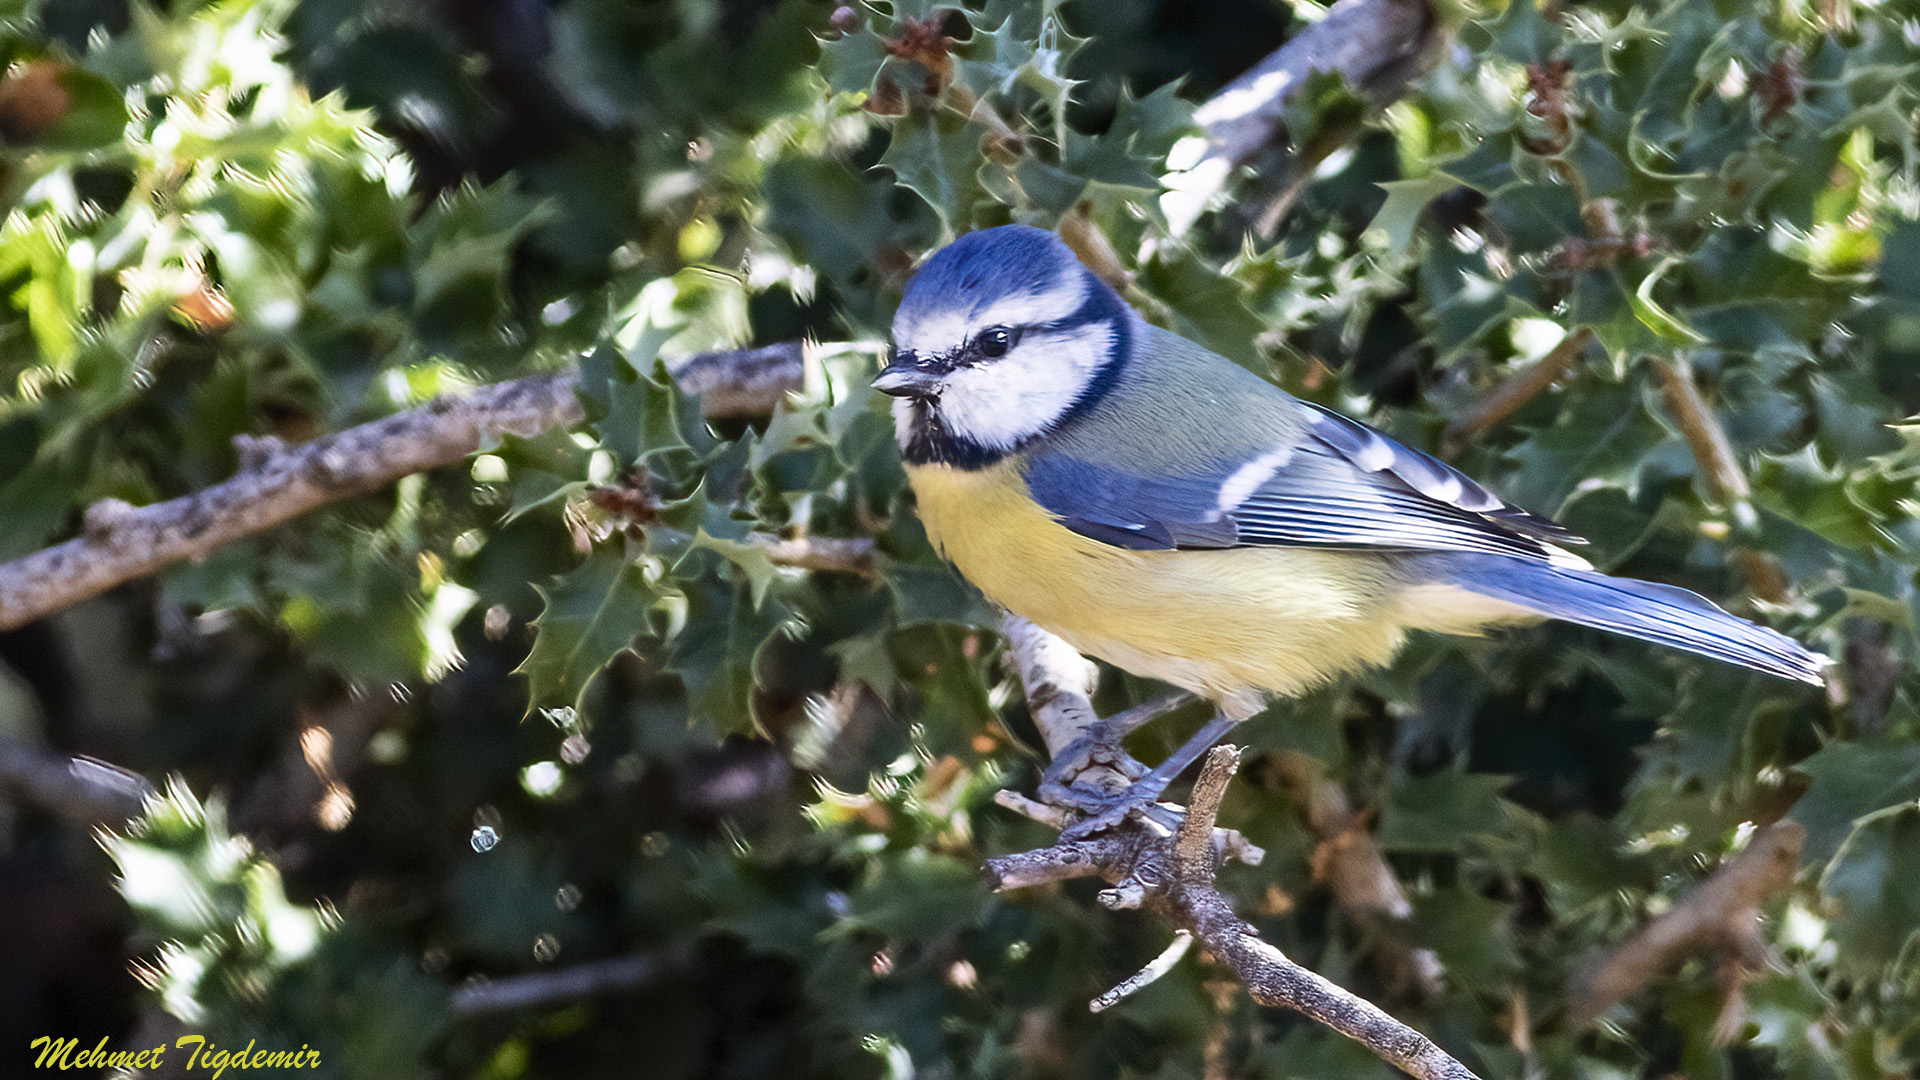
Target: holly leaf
column 751, row 559
column 867, row 659
column 938, row 158
column 1469, row 933
column 590, row 616
column 853, row 61
column 1522, row 34
column 1406, row 201
column 1850, row 782
column 95, row 114
column 717, row 648
column 1208, row 306
column 1152, row 124
column 1871, row 879
column 993, row 59
column 1439, row 812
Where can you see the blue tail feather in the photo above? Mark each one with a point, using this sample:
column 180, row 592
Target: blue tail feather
column 1658, row 613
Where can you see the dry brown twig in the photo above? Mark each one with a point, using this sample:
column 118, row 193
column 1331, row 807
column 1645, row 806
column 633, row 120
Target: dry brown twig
column 541, row 988
column 1726, row 481
column 278, row 482
column 822, row 554
column 1720, row 916
column 1173, row 873
column 1514, row 391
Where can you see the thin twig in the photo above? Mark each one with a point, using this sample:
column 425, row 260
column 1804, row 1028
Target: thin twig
column 1726, row 481
column 80, row 789
column 1146, row 976
column 1273, row 979
column 1106, row 856
column 736, row 383
column 122, row 542
column 1721, row 915
column 1173, row 874
column 1033, row 810
column 1515, row 390
column 1191, row 855
column 824, row 554
column 1084, row 236
column 565, row 984
column 1163, row 873
column 1059, row 682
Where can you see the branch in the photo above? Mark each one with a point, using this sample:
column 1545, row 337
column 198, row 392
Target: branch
column 1378, row 46
column 1726, row 481
column 1515, row 390
column 79, row 789
column 741, row 383
column 121, row 542
column 1721, row 915
column 277, row 483
column 1173, row 875
column 823, row 554
column 1059, row 682
column 565, row 984
column 1705, row 437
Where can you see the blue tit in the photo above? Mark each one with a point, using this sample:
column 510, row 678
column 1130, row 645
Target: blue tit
column 1162, row 508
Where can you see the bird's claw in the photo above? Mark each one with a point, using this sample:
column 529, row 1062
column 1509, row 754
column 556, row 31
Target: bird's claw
column 1091, row 753
column 1105, row 812
column 1074, row 781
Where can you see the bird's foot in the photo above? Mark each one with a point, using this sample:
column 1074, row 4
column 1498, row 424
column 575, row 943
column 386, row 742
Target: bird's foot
column 1097, row 779
column 1103, row 812
column 1106, row 809
column 1089, row 771
column 1095, row 766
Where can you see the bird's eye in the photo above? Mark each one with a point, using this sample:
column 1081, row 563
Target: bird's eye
column 995, row 342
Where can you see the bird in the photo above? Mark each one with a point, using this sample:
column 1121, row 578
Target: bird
column 1164, row 509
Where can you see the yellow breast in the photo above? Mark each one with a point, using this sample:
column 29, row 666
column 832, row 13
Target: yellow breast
column 1226, row 624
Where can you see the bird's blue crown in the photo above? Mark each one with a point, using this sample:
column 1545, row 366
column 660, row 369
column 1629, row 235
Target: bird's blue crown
column 990, row 263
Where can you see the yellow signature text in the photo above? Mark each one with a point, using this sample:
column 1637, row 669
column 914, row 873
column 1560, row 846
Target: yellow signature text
column 63, row 1054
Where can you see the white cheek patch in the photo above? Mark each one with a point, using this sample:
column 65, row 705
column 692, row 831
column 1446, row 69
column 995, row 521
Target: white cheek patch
column 1004, row 403
column 939, row 332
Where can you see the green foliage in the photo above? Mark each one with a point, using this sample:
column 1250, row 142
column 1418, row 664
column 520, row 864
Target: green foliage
column 237, row 962
column 576, row 710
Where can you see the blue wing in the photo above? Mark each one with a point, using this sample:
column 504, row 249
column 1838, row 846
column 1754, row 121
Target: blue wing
column 1338, row 483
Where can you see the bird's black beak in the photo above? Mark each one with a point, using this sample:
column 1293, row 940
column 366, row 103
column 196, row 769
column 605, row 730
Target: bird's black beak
column 907, row 377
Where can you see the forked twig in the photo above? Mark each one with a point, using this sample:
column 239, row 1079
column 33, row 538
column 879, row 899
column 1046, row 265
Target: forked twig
column 1173, row 873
